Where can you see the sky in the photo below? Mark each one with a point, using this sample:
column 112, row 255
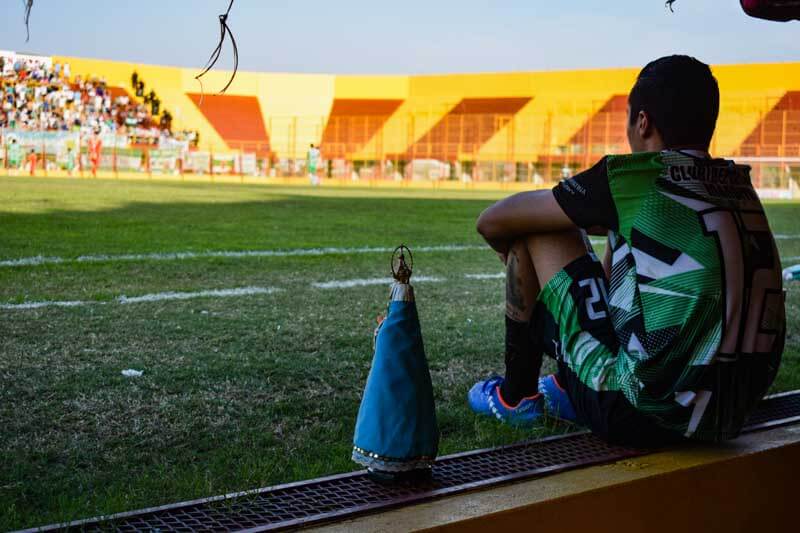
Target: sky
column 400, row 37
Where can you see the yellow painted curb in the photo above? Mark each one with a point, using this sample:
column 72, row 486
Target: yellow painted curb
column 746, row 485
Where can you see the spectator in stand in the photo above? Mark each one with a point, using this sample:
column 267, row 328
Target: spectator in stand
column 166, row 121
column 34, row 96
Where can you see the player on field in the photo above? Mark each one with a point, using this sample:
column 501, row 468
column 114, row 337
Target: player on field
column 679, row 331
column 31, row 160
column 14, row 154
column 312, row 160
column 69, row 161
column 95, row 148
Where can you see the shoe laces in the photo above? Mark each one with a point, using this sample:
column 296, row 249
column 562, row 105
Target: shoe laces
column 491, row 383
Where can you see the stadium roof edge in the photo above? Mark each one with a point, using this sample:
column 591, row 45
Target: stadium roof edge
column 408, row 74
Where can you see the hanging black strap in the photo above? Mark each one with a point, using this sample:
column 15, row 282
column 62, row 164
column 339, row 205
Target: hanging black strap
column 212, row 60
column 28, row 7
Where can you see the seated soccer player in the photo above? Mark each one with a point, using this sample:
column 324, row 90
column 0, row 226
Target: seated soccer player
column 679, row 331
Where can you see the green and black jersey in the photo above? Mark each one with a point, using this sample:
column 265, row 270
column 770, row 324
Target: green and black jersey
column 695, row 296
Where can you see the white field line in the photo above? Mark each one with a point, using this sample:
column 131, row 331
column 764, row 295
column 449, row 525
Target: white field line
column 289, row 252
column 349, row 283
column 215, row 293
column 172, row 256
column 247, row 291
column 156, row 297
column 37, row 305
column 497, row 275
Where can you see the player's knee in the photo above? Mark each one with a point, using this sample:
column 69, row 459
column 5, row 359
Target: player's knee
column 570, row 238
column 560, row 247
column 483, row 225
column 520, row 246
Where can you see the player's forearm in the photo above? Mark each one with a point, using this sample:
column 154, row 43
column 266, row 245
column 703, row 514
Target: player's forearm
column 489, row 231
column 501, row 246
column 521, row 214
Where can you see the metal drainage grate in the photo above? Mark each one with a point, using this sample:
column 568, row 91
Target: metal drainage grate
column 773, row 411
column 311, row 502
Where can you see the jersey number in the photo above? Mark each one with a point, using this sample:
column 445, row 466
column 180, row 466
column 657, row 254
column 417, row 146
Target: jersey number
column 595, row 296
column 753, row 307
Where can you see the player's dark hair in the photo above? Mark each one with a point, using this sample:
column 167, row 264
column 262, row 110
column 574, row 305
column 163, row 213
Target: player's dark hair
column 681, row 97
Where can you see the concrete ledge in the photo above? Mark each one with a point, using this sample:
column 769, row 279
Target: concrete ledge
column 749, row 484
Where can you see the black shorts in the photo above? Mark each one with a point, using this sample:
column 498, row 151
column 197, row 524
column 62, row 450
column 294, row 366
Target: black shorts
column 571, row 305
column 611, row 416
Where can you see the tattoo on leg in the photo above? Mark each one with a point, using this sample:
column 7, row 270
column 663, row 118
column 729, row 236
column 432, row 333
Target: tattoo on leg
column 515, row 298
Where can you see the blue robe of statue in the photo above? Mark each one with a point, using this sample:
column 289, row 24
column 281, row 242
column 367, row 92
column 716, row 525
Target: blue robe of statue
column 396, row 429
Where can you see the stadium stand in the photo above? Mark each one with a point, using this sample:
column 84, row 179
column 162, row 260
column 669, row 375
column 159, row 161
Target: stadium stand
column 604, row 132
column 778, row 132
column 41, row 96
column 526, row 127
column 353, row 122
column 466, row 128
column 237, row 119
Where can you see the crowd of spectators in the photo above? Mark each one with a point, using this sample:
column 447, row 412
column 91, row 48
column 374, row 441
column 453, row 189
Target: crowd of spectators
column 39, row 96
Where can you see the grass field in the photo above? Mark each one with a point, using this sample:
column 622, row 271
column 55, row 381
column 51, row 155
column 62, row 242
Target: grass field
column 238, row 392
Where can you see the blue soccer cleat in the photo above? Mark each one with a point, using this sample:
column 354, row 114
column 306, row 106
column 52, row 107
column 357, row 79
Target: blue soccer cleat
column 556, row 399
column 478, row 395
column 484, row 399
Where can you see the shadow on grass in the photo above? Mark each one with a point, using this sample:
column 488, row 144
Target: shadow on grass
column 287, row 222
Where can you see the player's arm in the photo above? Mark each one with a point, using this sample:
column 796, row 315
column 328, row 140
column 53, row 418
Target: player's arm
column 583, row 201
column 521, row 214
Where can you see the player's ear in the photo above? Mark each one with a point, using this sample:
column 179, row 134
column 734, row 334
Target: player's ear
column 644, row 125
column 638, row 128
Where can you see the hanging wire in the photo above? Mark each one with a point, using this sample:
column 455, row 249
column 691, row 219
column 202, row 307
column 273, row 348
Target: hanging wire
column 212, row 60
column 28, row 5
column 669, row 5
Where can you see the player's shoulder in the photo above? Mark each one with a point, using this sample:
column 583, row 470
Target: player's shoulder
column 681, row 157
column 690, row 166
column 663, row 162
column 635, row 161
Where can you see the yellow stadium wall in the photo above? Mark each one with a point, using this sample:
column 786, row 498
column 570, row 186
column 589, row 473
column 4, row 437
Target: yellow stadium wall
column 747, row 92
column 295, row 107
column 169, row 83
